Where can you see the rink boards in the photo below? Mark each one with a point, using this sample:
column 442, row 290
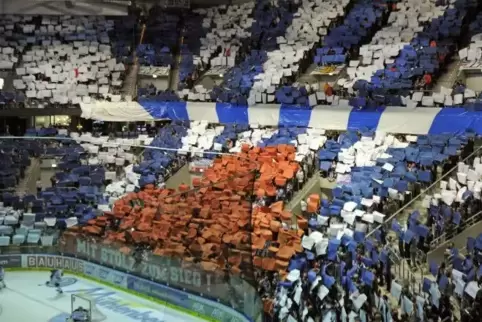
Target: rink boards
column 175, row 299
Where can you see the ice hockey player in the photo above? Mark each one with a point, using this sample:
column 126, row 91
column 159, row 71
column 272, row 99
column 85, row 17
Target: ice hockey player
column 80, row 315
column 55, row 279
column 2, row 278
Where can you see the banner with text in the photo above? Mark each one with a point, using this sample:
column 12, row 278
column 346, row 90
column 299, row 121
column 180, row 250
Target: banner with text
column 200, row 306
column 165, row 270
column 9, row 261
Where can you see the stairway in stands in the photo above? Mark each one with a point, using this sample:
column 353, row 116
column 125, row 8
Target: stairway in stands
column 28, row 185
column 130, row 82
column 8, row 77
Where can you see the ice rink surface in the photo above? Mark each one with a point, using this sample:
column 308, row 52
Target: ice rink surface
column 25, row 300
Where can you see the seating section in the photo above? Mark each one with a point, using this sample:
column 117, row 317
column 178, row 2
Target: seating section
column 405, row 21
column 160, row 39
column 460, row 271
column 271, row 19
column 462, row 188
column 213, row 38
column 358, row 27
column 85, row 166
column 384, row 173
column 472, row 55
column 9, row 55
column 123, row 46
column 228, row 27
column 418, row 63
column 386, row 166
column 377, row 174
column 394, row 52
column 14, row 159
column 330, row 239
column 67, row 60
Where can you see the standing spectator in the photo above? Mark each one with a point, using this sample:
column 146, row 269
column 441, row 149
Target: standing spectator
column 413, row 253
column 39, row 185
column 300, row 177
column 328, row 89
column 427, row 80
column 53, row 181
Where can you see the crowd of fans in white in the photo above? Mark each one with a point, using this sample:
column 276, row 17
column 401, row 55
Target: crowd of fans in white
column 61, row 59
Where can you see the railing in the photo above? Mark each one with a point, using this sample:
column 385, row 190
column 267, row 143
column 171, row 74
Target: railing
column 462, row 226
column 430, row 190
column 407, row 276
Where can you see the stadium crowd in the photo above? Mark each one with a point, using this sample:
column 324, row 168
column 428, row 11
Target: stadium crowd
column 296, row 263
column 337, row 258
column 390, row 58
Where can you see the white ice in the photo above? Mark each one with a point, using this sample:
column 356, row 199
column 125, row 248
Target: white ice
column 28, row 299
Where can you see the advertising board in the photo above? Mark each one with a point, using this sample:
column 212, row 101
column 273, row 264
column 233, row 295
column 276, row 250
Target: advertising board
column 188, row 302
column 9, row 261
column 164, row 270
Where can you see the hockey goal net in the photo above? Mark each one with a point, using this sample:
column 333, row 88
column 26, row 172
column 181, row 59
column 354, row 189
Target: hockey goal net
column 87, row 303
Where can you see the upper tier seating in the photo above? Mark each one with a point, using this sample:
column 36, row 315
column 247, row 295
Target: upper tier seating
column 121, row 39
column 11, row 44
column 67, row 60
column 405, row 21
column 358, row 27
column 419, row 62
column 271, row 19
column 472, row 55
column 189, row 66
column 227, row 27
column 416, row 36
column 309, row 26
column 160, row 39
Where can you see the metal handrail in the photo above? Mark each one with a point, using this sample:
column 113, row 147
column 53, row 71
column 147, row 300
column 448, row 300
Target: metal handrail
column 422, row 193
column 443, row 237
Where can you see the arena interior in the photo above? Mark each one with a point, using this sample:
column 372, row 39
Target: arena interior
column 263, row 160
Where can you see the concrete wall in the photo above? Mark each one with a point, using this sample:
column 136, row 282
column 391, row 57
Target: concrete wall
column 209, row 82
column 181, row 176
column 161, row 83
column 474, row 81
column 316, row 185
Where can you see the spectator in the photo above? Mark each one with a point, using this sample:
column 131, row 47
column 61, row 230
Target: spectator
column 53, row 181
column 39, row 185
column 328, row 89
column 427, row 81
column 458, row 88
